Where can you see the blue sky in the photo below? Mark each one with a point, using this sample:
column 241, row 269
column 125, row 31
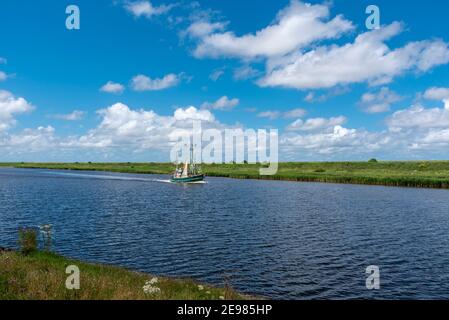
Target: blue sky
column 291, row 65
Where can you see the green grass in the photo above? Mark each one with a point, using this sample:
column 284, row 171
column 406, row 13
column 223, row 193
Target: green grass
column 425, row 174
column 41, row 276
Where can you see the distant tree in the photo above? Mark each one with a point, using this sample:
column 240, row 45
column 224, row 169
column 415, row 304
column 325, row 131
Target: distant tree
column 245, row 162
column 373, row 160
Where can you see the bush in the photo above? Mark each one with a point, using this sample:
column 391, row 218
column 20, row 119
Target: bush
column 422, row 166
column 27, row 240
column 373, row 160
column 320, row 170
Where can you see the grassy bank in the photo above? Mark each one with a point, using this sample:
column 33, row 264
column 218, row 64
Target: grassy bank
column 425, row 174
column 41, row 275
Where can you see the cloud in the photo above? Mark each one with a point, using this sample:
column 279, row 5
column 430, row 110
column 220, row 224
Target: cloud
column 316, row 124
column 336, row 142
column 10, row 106
column 112, row 87
column 418, row 117
column 144, row 83
column 145, row 9
column 423, row 128
column 367, row 59
column 294, row 57
column 223, row 103
column 192, row 113
column 216, row 74
column 3, row 60
column 3, row 76
column 30, row 140
column 300, row 51
column 294, row 113
column 312, row 97
column 438, row 94
column 76, row 115
column 378, row 101
column 270, row 114
column 245, row 72
column 124, row 133
column 296, row 26
column 199, row 29
column 122, row 128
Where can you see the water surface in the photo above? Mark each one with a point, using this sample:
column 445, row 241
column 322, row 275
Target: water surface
column 284, row 240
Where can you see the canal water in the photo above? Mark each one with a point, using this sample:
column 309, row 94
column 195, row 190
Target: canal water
column 282, row 240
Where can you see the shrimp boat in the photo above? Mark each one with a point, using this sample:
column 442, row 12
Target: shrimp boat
column 188, row 173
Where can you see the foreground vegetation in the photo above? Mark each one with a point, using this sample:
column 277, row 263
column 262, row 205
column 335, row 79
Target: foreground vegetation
column 42, row 275
column 426, row 174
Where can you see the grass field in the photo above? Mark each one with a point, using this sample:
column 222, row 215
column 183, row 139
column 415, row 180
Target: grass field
column 425, row 174
column 42, row 276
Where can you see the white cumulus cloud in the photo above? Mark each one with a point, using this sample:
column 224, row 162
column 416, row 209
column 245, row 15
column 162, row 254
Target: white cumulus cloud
column 376, row 102
column 144, row 83
column 296, row 26
column 75, row 115
column 145, row 9
column 419, row 117
column 438, row 94
column 367, row 59
column 10, row 106
column 316, row 124
column 202, row 28
column 112, row 87
column 223, row 103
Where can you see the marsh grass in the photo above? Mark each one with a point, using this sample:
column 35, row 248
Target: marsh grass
column 425, row 174
column 41, row 276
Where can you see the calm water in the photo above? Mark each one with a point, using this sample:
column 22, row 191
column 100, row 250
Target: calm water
column 277, row 239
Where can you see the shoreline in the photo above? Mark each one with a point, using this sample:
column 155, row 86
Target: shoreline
column 412, row 174
column 22, row 276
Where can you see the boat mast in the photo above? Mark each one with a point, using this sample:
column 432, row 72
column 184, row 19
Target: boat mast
column 192, row 165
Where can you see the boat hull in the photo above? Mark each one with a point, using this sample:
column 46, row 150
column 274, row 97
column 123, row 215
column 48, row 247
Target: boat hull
column 195, row 178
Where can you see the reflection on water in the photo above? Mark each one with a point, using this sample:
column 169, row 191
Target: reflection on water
column 273, row 238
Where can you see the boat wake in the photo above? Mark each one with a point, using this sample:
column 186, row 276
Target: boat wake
column 101, row 177
column 111, row 177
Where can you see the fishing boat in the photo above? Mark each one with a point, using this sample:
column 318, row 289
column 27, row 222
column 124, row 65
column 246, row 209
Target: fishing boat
column 190, row 172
